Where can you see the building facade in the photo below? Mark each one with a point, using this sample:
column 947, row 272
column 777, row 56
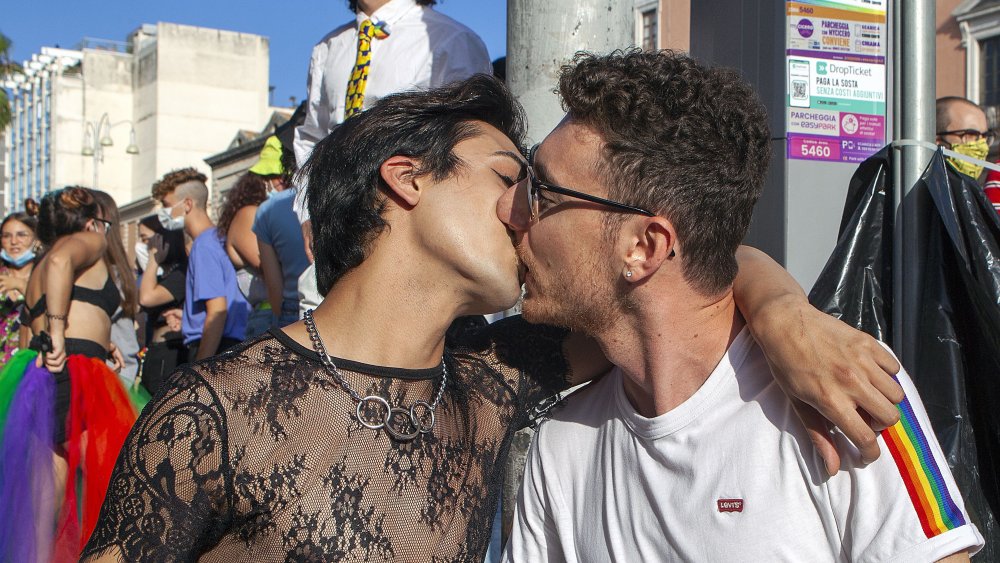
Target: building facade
column 118, row 115
column 663, row 24
column 979, row 29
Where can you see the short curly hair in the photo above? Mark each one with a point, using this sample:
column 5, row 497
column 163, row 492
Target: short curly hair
column 169, row 182
column 680, row 139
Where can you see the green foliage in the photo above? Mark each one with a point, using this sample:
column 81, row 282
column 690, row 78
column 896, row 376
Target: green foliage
column 4, row 110
column 8, row 67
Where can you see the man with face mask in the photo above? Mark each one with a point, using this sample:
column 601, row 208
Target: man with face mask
column 279, row 236
column 962, row 127
column 215, row 311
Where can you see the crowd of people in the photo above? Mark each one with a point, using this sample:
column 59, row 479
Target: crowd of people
column 88, row 336
column 311, row 376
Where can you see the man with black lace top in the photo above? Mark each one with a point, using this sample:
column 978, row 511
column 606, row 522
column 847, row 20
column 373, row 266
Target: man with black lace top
column 376, row 429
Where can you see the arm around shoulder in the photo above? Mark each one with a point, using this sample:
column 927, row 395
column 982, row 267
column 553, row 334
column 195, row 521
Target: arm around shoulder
column 829, row 369
column 550, row 359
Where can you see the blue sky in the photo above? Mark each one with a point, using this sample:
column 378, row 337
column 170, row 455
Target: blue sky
column 293, row 27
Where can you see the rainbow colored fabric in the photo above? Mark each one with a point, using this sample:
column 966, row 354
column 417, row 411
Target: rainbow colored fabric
column 928, row 491
column 38, row 520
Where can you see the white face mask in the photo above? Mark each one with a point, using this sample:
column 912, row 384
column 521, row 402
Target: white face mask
column 169, row 222
column 142, row 257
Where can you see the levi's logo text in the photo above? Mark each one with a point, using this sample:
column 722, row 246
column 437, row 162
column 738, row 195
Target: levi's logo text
column 730, row 504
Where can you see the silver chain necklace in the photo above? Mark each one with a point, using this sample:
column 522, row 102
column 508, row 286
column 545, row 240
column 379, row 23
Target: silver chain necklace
column 401, row 424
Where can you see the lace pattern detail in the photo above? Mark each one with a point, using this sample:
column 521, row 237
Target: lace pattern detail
column 254, row 455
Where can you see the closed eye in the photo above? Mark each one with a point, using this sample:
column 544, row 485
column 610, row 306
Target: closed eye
column 507, row 180
column 545, row 200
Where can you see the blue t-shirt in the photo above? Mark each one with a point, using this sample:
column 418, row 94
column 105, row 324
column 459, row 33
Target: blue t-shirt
column 276, row 224
column 210, row 274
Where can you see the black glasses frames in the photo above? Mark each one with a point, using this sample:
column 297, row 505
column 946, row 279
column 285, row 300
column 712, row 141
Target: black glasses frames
column 107, row 224
column 971, row 135
column 534, row 185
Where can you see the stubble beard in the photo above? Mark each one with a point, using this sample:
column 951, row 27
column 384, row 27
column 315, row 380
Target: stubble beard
column 584, row 300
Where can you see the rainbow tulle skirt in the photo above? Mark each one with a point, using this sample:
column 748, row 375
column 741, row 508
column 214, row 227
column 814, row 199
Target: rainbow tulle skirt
column 45, row 515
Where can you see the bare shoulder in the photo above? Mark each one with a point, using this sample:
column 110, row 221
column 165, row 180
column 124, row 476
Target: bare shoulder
column 246, row 213
column 83, row 241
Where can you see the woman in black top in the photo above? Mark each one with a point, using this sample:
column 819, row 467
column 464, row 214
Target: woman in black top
column 70, row 413
column 163, row 263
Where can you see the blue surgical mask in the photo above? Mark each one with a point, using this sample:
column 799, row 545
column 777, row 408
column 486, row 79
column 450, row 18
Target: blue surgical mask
column 21, row 260
column 270, row 188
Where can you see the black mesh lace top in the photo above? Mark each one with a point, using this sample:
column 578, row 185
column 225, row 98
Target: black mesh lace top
column 255, row 455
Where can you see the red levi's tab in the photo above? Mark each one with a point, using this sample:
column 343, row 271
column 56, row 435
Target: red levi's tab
column 730, row 505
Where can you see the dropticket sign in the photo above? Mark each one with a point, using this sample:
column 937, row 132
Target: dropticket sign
column 836, row 84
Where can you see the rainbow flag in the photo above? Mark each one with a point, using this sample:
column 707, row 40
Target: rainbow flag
column 928, row 491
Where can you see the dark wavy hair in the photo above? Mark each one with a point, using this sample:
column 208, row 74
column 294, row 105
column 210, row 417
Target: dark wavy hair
column 681, row 139
column 64, row 212
column 346, row 194
column 353, row 4
column 115, row 258
column 176, row 254
column 250, row 189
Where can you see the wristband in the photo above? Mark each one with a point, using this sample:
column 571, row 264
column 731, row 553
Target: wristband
column 52, row 317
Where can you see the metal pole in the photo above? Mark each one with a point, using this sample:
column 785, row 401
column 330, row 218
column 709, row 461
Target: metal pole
column 543, row 36
column 916, row 86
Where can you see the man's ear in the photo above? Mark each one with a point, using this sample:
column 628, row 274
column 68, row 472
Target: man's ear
column 651, row 245
column 399, row 174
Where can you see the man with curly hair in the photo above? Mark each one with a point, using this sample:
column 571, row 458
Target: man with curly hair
column 215, row 310
column 628, row 224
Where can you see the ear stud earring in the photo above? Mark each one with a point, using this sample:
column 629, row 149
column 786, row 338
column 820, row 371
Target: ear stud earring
column 628, row 274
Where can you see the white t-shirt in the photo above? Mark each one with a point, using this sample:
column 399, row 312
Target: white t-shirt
column 729, row 475
column 425, row 49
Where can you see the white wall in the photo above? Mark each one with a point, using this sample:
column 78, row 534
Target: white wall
column 209, row 84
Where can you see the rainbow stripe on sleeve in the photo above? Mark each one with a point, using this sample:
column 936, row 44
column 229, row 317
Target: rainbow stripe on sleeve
column 928, row 492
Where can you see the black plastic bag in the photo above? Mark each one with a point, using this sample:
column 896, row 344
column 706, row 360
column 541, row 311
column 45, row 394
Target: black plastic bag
column 958, row 340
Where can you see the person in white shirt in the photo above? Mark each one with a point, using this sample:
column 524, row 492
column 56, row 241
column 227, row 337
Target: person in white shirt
column 414, row 47
column 628, row 225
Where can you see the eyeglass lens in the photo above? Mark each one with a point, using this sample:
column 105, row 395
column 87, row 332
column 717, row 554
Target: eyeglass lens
column 530, row 190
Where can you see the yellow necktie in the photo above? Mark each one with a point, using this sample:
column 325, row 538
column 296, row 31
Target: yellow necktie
column 359, row 76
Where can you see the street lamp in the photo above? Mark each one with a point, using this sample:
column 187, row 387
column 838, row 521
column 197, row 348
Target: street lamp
column 97, row 136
